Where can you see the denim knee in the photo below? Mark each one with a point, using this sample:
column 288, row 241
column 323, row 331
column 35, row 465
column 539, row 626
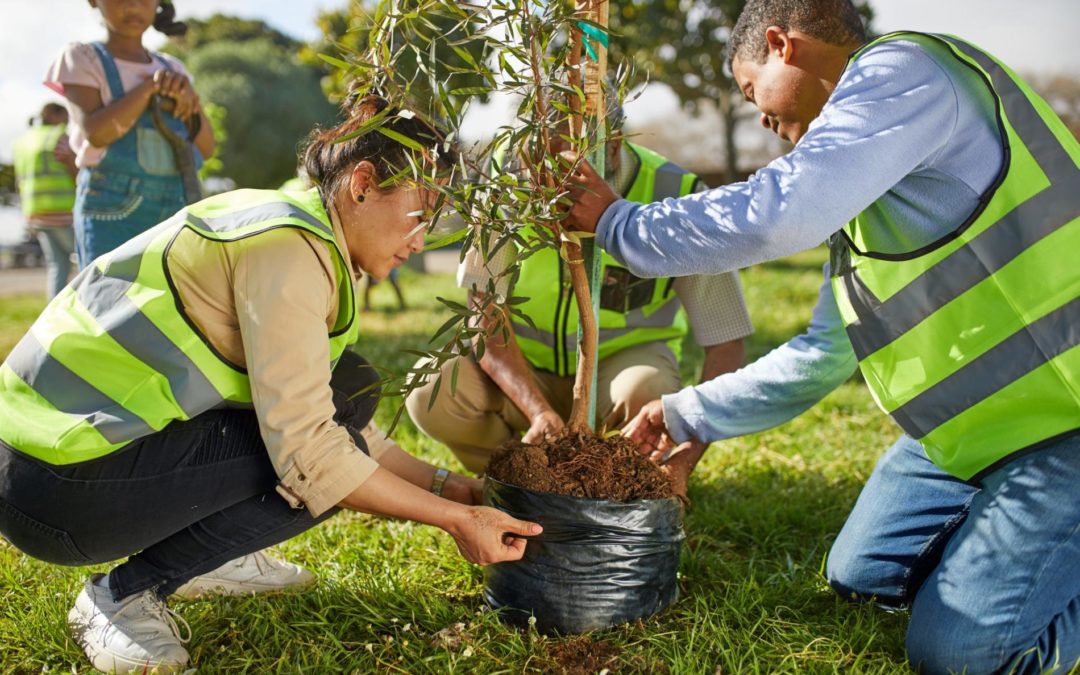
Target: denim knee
column 858, row 578
column 952, row 646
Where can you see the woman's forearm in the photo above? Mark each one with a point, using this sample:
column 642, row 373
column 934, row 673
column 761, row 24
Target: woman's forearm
column 386, row 494
column 409, row 468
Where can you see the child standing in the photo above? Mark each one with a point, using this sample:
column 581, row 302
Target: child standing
column 129, row 177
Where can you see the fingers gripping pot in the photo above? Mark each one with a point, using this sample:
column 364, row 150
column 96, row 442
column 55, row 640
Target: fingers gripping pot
column 598, row 563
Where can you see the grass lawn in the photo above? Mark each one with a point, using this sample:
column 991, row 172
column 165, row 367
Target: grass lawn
column 396, row 597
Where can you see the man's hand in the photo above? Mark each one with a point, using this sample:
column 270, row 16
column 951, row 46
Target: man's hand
column 463, row 489
column 649, row 431
column 681, row 464
column 543, row 424
column 591, row 196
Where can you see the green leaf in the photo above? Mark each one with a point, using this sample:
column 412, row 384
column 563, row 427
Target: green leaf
column 401, row 138
column 336, row 62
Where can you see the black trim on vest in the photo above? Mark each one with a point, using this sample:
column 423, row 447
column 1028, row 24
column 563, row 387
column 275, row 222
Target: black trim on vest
column 977, row 479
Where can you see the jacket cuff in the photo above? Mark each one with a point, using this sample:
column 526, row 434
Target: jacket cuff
column 349, row 472
column 681, row 412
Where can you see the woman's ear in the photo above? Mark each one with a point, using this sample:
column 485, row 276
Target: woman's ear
column 362, row 180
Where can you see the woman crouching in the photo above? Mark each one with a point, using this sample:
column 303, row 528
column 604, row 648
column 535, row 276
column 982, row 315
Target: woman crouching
column 190, row 399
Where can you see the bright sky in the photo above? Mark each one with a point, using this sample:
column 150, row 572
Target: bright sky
column 1032, row 36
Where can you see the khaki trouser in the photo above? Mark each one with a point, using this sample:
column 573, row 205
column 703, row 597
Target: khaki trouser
column 478, row 417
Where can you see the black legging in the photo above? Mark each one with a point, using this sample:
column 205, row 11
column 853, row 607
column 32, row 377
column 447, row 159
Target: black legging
column 180, row 502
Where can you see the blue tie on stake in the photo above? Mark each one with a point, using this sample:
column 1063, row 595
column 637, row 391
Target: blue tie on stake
column 596, row 33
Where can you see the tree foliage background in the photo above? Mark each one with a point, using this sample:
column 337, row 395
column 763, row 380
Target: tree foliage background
column 683, row 44
column 268, row 100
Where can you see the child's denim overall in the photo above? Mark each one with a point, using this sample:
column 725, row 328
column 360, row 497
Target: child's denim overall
column 136, row 186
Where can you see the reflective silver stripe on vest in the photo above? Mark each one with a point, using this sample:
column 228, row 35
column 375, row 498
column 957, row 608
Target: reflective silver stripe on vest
column 635, row 320
column 990, row 251
column 104, row 297
column 258, row 214
column 667, row 182
column 69, row 393
column 1008, row 361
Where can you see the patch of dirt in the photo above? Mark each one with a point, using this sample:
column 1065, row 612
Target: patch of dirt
column 581, row 465
column 584, row 655
column 581, row 656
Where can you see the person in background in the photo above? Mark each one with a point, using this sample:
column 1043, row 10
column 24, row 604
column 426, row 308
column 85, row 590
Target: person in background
column 371, row 282
column 222, row 410
column 949, row 193
column 525, row 385
column 129, row 175
column 45, row 172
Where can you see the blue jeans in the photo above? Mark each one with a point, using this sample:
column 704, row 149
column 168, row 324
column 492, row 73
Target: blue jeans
column 991, row 574
column 179, row 502
column 57, row 243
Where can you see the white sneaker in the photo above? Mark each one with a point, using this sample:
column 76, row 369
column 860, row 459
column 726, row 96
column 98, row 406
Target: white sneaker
column 137, row 634
column 254, row 573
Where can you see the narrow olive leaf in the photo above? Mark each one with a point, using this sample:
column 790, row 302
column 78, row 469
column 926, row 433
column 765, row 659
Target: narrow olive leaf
column 401, row 138
column 523, row 316
column 344, row 65
column 364, row 128
column 455, row 307
column 445, row 240
column 457, row 318
column 434, row 392
column 453, row 377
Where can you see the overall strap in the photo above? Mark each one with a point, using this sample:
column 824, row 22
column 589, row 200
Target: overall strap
column 116, row 87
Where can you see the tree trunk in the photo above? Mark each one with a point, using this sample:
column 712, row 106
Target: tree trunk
column 595, row 11
column 728, row 105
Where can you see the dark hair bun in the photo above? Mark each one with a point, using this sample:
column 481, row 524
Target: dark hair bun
column 165, row 20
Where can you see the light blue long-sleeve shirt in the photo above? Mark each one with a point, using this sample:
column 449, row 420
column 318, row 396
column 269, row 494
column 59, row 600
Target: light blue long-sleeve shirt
column 909, row 138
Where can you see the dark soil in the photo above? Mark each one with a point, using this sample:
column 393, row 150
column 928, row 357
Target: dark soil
column 584, row 655
column 581, row 465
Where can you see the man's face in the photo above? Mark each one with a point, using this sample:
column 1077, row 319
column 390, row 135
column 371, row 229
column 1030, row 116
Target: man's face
column 788, row 97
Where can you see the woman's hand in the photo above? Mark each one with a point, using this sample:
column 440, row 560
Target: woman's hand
column 485, row 535
column 463, row 490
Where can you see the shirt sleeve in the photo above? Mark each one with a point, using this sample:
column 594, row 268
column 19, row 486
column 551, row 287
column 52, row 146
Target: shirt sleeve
column 715, row 307
column 892, row 111
column 772, row 390
column 285, row 291
column 77, row 64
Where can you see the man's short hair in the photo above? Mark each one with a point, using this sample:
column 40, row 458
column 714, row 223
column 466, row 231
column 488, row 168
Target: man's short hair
column 836, row 22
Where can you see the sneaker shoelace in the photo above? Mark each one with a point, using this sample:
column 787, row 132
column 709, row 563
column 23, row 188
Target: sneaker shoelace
column 157, row 607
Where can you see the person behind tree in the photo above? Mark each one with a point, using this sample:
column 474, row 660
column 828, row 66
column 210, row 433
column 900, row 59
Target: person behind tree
column 525, row 385
column 129, row 175
column 45, row 172
column 191, row 397
column 950, row 195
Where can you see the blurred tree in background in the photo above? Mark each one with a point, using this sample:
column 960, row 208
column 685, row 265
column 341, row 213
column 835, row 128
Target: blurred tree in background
column 1062, row 92
column 455, row 61
column 260, row 97
column 682, row 43
column 222, row 28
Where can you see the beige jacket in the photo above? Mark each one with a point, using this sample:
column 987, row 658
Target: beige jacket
column 267, row 307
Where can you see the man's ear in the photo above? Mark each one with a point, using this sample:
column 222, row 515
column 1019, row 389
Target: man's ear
column 361, row 180
column 779, row 43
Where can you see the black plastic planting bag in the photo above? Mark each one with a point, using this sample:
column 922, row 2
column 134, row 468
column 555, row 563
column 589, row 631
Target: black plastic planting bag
column 597, row 564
